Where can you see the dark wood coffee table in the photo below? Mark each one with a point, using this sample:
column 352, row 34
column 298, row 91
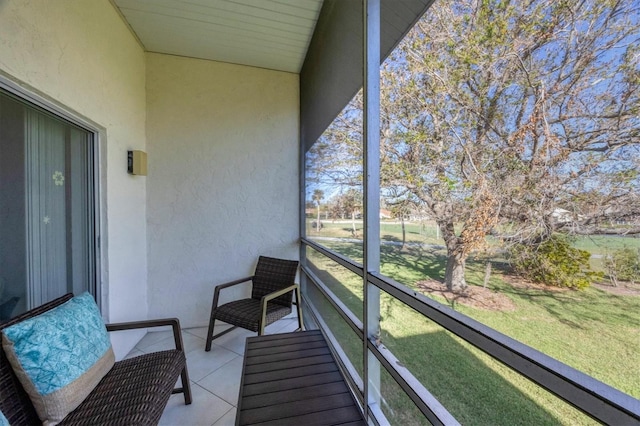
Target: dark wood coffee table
column 293, row 379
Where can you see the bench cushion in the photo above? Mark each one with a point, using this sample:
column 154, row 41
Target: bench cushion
column 134, row 392
column 60, row 355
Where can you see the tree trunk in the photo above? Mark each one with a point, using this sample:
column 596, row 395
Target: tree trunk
column 404, row 235
column 456, row 258
column 454, row 274
column 353, row 223
column 487, row 274
column 318, row 224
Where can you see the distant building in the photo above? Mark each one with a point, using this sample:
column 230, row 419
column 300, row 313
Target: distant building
column 385, row 214
column 565, row 216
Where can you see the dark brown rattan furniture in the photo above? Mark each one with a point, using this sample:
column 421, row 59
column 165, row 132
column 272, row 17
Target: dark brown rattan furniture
column 273, row 284
column 134, row 392
column 293, row 379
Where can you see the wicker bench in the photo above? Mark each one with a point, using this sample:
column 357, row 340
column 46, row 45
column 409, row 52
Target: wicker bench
column 134, row 392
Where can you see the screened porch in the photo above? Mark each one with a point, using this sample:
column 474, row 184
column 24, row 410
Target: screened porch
column 229, row 99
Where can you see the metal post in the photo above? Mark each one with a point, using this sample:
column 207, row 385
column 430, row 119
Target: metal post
column 302, row 223
column 371, row 161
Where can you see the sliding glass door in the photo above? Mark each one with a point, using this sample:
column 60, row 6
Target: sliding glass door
column 47, row 208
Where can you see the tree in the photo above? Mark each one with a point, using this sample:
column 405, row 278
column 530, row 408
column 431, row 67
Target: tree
column 318, row 195
column 554, row 261
column 496, row 113
column 400, row 204
column 351, row 202
column 335, row 161
column 623, row 264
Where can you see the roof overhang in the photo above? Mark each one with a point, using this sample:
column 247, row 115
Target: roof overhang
column 272, row 34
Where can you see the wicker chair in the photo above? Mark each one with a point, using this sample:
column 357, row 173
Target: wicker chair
column 134, row 392
column 273, row 284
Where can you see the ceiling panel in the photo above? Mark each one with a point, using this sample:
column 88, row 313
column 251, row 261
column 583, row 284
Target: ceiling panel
column 271, row 34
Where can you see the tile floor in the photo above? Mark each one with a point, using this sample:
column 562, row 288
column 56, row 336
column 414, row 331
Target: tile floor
column 215, row 375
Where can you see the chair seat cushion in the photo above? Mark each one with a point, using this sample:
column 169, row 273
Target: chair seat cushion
column 134, row 392
column 246, row 313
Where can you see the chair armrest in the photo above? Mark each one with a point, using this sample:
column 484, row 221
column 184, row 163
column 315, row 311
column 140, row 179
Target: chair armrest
column 132, row 325
column 273, row 295
column 234, row 282
column 219, row 287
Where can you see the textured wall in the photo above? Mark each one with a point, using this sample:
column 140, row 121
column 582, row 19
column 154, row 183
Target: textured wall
column 80, row 54
column 223, row 177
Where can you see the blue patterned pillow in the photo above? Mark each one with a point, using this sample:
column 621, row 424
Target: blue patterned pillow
column 3, row 420
column 60, row 355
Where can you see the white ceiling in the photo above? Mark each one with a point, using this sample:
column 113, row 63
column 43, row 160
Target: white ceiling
column 271, row 34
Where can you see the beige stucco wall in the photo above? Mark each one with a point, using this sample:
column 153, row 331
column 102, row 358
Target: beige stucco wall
column 222, row 187
column 80, row 54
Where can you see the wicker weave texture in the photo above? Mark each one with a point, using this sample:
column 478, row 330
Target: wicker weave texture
column 271, row 275
column 135, row 392
column 246, row 313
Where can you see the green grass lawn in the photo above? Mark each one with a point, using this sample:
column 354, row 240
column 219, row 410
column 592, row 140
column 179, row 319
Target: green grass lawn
column 603, row 244
column 426, row 233
column 591, row 330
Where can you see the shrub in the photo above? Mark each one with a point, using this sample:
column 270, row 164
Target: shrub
column 623, row 265
column 554, row 261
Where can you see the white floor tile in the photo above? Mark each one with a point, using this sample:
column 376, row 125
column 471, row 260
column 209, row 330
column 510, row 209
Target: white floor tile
column 228, row 419
column 134, row 353
column 225, row 381
column 206, row 409
column 200, row 363
column 202, row 331
column 189, row 341
column 153, row 337
column 235, row 340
